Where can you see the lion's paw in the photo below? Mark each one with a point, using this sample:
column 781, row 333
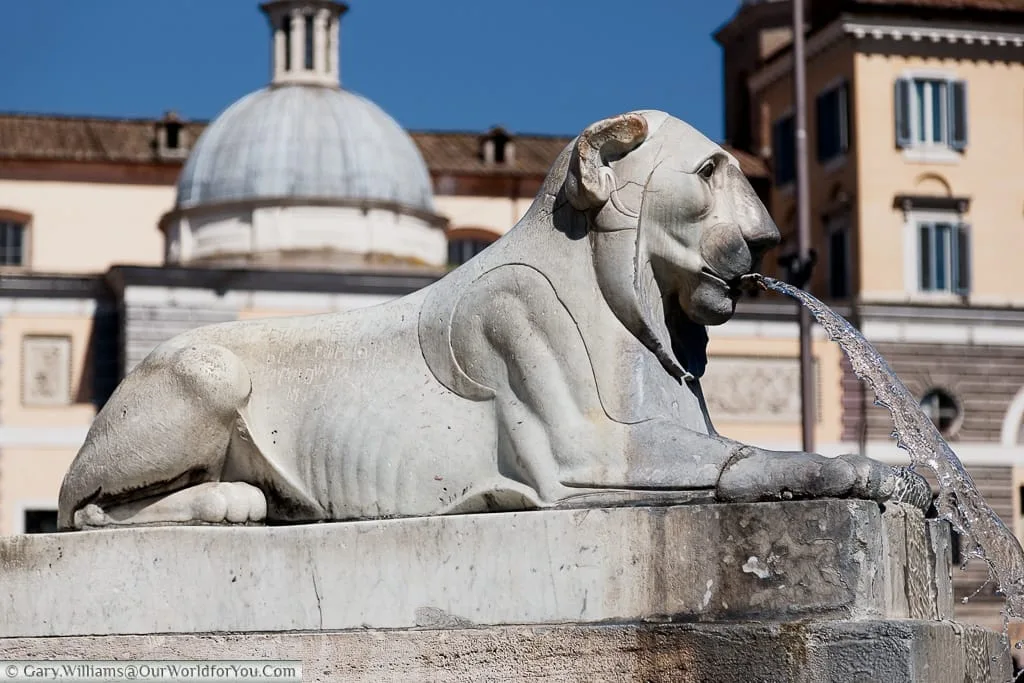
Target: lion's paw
column 754, row 474
column 208, row 503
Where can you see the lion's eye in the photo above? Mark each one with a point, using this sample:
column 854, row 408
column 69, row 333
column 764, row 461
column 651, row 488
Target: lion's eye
column 707, row 170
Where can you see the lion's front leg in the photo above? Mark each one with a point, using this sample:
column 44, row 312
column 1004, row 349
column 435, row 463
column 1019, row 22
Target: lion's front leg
column 755, row 474
column 513, row 335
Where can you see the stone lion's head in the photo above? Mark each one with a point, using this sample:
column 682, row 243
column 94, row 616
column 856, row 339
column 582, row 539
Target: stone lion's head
column 658, row 194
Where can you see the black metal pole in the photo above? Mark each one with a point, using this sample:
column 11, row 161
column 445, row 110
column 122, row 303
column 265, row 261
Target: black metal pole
column 803, row 216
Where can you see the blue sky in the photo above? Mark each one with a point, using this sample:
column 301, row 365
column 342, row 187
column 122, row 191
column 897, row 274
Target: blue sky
column 542, row 66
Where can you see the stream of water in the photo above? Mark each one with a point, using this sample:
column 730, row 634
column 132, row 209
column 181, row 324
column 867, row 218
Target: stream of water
column 959, row 500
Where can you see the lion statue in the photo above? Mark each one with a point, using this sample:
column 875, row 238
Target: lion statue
column 559, row 367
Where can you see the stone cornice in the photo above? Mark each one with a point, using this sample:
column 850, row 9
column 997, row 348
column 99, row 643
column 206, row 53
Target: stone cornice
column 246, row 205
column 52, row 285
column 394, row 283
column 917, row 32
column 965, row 316
column 865, row 29
column 911, row 202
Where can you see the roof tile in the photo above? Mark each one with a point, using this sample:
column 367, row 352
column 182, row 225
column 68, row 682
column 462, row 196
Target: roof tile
column 63, row 138
column 986, row 5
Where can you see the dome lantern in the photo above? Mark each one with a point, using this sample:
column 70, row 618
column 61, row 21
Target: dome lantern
column 304, row 44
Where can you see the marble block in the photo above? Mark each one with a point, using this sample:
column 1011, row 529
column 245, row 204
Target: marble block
column 811, row 560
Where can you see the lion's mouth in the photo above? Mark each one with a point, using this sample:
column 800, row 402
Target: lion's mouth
column 734, row 286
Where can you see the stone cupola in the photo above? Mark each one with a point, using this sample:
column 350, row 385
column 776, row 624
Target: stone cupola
column 304, row 173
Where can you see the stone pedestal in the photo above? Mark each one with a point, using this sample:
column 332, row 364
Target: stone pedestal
column 800, row 591
column 893, row 651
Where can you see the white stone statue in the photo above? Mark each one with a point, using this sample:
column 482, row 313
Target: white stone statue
column 558, row 367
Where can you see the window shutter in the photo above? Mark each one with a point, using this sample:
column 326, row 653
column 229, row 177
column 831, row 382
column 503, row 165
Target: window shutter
column 777, row 151
column 958, row 115
column 783, row 150
column 832, row 123
column 903, row 132
column 844, row 118
column 823, row 122
column 962, row 260
column 924, row 257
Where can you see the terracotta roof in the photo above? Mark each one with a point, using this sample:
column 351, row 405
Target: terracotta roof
column 985, row 5
column 41, row 137
column 34, row 137
column 454, row 153
column 998, row 11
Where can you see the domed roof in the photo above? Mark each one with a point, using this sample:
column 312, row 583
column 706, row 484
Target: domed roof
column 305, row 142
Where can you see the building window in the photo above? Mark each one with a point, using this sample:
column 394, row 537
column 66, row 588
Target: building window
column 931, row 112
column 461, row 250
column 40, row 521
column 309, row 42
column 12, row 243
column 837, row 229
column 784, row 150
column 944, row 260
column 832, row 109
column 943, row 410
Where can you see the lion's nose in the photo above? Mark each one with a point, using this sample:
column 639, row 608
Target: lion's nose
column 761, row 237
column 758, row 229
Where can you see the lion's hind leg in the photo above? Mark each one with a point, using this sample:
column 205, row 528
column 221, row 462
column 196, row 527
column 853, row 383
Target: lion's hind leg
column 156, row 452
column 209, row 503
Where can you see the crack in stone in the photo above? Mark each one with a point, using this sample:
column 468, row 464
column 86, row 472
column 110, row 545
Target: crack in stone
column 319, row 599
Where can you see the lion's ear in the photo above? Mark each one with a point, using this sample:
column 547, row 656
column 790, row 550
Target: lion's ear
column 589, row 181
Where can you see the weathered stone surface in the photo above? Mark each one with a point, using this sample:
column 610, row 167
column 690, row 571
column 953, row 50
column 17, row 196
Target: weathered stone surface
column 824, row 652
column 919, row 563
column 773, row 561
column 941, row 549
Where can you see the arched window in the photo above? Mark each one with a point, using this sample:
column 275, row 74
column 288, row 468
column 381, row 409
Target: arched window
column 1013, row 422
column 460, row 251
column 943, row 409
column 13, row 238
column 464, row 244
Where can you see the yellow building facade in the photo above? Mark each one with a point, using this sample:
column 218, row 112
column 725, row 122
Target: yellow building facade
column 915, row 125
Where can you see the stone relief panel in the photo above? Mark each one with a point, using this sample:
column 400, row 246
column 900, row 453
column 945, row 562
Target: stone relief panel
column 755, row 388
column 46, row 371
